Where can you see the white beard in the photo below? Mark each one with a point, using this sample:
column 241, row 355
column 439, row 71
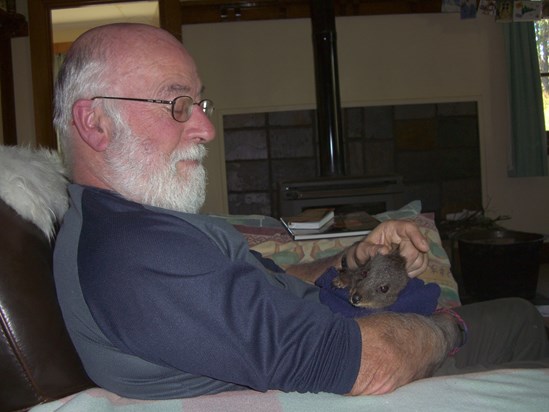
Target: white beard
column 152, row 178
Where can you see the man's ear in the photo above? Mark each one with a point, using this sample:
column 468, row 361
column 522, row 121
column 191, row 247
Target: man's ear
column 89, row 122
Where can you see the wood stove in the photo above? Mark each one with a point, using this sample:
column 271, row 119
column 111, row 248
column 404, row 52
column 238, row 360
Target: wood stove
column 372, row 194
column 333, row 187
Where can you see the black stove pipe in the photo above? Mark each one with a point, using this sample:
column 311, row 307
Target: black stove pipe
column 329, row 125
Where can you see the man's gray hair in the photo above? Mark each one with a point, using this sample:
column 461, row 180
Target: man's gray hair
column 81, row 76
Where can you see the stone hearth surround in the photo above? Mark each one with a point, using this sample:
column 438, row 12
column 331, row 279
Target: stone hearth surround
column 434, row 147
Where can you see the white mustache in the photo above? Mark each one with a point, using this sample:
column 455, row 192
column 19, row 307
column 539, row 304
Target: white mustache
column 196, row 152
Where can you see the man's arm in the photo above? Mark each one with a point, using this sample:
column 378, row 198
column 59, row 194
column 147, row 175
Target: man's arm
column 398, row 349
column 411, row 242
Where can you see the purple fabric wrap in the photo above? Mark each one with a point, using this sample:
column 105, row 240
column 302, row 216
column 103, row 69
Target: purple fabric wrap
column 417, row 297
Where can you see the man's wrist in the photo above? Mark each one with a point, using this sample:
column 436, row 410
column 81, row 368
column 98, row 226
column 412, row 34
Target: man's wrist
column 460, row 325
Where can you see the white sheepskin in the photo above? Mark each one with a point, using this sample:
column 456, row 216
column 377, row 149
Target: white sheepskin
column 32, row 181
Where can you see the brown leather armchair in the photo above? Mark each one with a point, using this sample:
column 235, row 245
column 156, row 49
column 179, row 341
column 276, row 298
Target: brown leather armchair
column 38, row 362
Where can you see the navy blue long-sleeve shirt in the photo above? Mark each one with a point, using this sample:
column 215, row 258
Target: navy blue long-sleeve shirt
column 162, row 304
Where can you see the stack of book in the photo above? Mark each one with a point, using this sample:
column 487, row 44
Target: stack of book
column 319, row 223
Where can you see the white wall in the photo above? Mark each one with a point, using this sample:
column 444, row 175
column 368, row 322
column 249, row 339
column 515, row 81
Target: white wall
column 263, row 66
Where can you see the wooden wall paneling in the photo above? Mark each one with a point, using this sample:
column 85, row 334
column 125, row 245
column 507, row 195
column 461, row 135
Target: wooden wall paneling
column 11, row 25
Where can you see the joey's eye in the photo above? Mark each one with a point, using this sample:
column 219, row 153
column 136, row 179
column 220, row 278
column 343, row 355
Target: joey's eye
column 383, row 288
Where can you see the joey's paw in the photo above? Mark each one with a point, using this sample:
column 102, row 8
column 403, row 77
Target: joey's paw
column 338, row 283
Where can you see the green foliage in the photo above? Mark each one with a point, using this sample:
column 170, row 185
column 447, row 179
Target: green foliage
column 474, row 221
column 542, row 42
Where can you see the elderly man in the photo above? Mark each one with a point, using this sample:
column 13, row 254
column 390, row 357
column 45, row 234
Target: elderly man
column 162, row 302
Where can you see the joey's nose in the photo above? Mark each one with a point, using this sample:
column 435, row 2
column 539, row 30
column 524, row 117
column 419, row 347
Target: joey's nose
column 355, row 299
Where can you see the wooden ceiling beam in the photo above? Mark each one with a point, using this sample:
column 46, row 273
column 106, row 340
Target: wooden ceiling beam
column 219, row 11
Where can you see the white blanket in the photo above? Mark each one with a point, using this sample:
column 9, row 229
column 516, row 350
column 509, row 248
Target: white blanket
column 503, row 391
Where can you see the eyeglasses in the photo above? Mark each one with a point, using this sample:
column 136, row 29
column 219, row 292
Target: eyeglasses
column 182, row 106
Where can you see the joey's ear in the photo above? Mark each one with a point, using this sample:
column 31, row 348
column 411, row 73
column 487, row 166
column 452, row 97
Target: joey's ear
column 90, row 123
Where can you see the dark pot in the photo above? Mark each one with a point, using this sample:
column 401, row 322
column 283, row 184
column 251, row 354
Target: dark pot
column 500, row 263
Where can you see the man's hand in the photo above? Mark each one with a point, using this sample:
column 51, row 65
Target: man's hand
column 404, row 234
column 398, row 349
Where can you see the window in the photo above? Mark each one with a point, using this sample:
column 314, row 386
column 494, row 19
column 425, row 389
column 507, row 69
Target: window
column 542, row 41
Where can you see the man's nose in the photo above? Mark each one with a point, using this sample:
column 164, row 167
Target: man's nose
column 201, row 126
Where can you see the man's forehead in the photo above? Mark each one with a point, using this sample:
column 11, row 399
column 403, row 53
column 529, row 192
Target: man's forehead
column 182, row 89
column 163, row 69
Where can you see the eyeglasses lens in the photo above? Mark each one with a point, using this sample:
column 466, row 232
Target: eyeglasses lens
column 182, row 108
column 207, row 107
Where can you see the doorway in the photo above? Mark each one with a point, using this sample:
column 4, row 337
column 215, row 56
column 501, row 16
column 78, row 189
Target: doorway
column 68, row 24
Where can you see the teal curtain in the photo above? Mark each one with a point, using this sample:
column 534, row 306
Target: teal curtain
column 528, row 139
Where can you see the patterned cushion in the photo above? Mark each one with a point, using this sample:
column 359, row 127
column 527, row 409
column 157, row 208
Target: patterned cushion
column 267, row 236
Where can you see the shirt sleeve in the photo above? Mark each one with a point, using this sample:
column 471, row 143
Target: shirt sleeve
column 160, row 289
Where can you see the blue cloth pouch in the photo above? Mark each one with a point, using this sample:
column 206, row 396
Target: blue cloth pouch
column 417, row 297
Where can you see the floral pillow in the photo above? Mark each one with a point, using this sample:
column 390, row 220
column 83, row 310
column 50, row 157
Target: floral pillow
column 267, row 236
